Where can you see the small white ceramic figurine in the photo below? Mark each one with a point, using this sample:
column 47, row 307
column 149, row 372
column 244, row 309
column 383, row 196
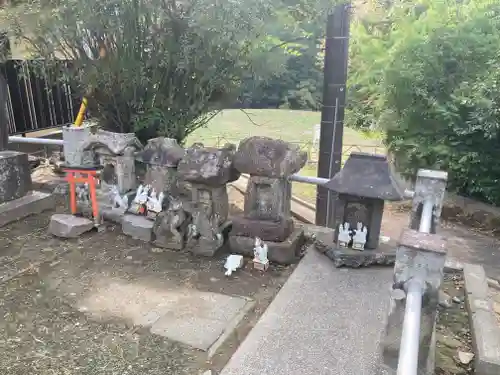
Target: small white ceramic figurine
column 117, row 200
column 260, row 251
column 83, row 193
column 344, row 235
column 155, row 202
column 260, row 260
column 233, row 262
column 359, row 239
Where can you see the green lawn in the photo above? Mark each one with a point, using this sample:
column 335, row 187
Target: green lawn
column 293, row 126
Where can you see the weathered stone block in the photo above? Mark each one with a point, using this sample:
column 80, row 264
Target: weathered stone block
column 286, row 252
column 476, row 281
column 262, row 156
column 486, row 342
column 32, row 203
column 208, row 165
column 164, row 237
column 268, row 198
column 74, row 137
column 485, row 331
column 69, row 226
column 276, row 231
column 161, row 151
column 382, row 256
column 15, row 175
column 161, row 178
column 208, row 247
column 429, row 185
column 211, row 200
column 137, row 227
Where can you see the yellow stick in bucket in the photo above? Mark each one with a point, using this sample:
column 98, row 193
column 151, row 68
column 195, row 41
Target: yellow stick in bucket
column 81, row 113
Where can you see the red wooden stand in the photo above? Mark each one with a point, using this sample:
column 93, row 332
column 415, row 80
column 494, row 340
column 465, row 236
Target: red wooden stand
column 79, row 175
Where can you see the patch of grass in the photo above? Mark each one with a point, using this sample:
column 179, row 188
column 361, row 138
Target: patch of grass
column 233, row 125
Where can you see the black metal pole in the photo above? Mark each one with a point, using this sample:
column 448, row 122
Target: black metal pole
column 5, row 54
column 332, row 115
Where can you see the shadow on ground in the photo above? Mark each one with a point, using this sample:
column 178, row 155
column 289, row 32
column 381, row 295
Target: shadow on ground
column 89, row 306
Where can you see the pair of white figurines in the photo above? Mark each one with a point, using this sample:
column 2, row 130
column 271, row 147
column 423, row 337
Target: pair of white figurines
column 147, row 195
column 358, row 238
column 260, row 260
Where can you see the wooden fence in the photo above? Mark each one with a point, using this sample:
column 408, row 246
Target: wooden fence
column 32, row 103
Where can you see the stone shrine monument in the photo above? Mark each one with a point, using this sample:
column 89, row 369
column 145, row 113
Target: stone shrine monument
column 363, row 184
column 163, row 208
column 17, row 199
column 269, row 163
column 161, row 156
column 115, row 152
column 208, row 170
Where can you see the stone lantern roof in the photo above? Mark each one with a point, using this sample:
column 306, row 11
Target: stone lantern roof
column 114, row 143
column 368, row 176
column 161, row 151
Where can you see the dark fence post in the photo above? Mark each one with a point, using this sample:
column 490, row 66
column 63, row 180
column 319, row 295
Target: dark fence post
column 5, row 53
column 332, row 115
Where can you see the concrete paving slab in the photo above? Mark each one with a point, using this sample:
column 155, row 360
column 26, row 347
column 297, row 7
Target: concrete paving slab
column 324, row 321
column 69, row 226
column 201, row 328
column 195, row 318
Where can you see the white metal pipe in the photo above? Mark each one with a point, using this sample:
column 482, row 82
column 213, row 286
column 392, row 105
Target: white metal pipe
column 426, row 217
column 408, row 194
column 309, row 179
column 410, row 338
column 39, row 141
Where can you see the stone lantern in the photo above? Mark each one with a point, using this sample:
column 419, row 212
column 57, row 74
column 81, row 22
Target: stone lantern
column 363, row 185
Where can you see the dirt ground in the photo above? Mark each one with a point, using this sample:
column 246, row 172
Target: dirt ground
column 42, row 277
column 453, row 330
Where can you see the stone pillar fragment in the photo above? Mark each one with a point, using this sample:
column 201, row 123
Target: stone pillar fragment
column 15, row 175
column 208, row 170
column 73, row 138
column 429, row 185
column 422, row 256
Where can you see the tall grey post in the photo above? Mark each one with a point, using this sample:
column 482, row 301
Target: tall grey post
column 4, row 120
column 430, row 189
column 420, row 257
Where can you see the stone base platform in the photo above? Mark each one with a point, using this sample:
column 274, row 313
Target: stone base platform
column 206, row 247
column 69, row 226
column 286, row 252
column 138, row 227
column 276, row 231
column 384, row 255
column 32, row 203
column 106, row 212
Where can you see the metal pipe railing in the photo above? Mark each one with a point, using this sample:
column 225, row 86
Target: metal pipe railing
column 408, row 194
column 39, row 141
column 426, row 217
column 410, row 338
column 309, row 179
